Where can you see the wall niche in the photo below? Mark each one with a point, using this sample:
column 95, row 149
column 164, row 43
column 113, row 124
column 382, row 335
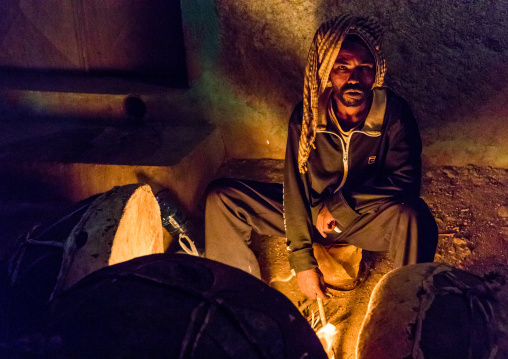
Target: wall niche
column 125, row 39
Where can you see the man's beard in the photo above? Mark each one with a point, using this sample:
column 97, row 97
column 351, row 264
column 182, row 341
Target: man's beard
column 359, row 94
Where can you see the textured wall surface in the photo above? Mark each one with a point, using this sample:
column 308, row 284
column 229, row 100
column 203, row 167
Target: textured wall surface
column 246, row 59
column 447, row 58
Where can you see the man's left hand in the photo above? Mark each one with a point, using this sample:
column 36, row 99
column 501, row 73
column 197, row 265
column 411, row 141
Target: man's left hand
column 325, row 221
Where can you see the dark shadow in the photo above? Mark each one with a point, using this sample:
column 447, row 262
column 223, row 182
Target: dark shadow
column 90, row 47
column 18, row 217
column 71, row 140
column 264, row 170
column 259, row 68
column 95, row 82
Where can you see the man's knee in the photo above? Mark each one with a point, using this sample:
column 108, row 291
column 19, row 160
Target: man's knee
column 417, row 238
column 220, row 190
column 412, row 210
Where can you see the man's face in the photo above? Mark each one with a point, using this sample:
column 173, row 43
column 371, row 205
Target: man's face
column 353, row 73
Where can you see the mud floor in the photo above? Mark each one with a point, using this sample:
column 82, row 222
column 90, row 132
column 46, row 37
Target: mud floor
column 470, row 205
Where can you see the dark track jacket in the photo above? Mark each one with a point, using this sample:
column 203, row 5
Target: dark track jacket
column 378, row 163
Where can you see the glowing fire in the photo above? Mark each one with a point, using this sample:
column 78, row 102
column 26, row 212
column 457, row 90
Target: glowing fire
column 326, row 335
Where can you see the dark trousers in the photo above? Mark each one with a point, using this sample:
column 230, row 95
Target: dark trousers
column 234, row 208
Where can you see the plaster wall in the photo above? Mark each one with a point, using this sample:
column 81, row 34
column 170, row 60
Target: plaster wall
column 447, row 58
column 246, row 59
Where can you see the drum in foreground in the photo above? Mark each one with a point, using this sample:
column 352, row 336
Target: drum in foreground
column 435, row 311
column 177, row 306
column 102, row 230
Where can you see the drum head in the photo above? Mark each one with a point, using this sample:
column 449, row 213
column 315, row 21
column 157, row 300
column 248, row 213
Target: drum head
column 177, row 306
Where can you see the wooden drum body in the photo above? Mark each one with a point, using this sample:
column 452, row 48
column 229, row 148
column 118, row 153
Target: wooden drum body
column 105, row 229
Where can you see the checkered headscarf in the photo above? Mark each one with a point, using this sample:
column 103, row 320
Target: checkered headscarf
column 322, row 54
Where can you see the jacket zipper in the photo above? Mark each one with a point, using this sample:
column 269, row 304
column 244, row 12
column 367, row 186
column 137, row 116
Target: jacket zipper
column 345, row 150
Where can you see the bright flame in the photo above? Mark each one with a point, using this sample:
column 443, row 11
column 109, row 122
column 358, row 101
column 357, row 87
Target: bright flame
column 268, row 142
column 326, row 335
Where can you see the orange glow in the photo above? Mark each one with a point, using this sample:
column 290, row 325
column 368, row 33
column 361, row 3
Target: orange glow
column 326, row 335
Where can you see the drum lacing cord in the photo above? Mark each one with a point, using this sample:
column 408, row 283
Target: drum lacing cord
column 14, row 269
column 193, row 251
column 479, row 298
column 20, row 251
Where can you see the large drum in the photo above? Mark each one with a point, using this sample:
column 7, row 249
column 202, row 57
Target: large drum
column 435, row 311
column 105, row 229
column 174, row 306
column 122, row 224
column 33, row 269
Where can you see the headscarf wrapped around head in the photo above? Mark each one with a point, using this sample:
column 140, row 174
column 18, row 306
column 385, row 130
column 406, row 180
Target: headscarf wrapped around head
column 322, row 55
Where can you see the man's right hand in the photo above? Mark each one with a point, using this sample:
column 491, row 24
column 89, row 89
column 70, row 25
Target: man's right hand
column 311, row 283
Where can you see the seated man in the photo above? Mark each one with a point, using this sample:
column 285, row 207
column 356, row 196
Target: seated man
column 352, row 169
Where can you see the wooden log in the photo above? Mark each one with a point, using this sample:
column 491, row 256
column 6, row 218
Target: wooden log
column 121, row 224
